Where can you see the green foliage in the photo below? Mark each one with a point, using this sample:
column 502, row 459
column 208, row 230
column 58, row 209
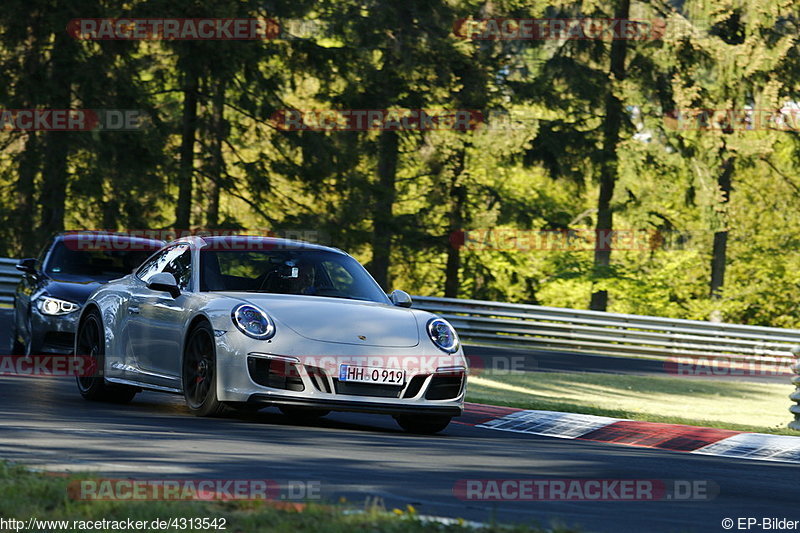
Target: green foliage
column 533, row 165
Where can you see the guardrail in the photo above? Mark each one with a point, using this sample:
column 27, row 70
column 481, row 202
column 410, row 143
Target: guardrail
column 595, row 332
column 795, row 396
column 9, row 277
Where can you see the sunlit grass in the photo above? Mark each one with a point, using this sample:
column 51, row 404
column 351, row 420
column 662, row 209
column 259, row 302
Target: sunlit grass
column 25, row 495
column 744, row 406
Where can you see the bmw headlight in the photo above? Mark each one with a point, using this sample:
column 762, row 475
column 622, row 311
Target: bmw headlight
column 253, row 322
column 443, row 335
column 53, row 306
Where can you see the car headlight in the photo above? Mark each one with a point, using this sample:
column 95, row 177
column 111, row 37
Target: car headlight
column 53, row 306
column 253, row 322
column 443, row 335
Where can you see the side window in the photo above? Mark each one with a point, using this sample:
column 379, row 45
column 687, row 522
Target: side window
column 152, row 266
column 176, row 260
column 340, row 278
column 179, row 265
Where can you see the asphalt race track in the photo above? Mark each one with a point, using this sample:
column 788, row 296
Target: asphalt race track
column 44, row 422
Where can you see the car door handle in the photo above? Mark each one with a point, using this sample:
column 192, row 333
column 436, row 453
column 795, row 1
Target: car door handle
column 133, row 310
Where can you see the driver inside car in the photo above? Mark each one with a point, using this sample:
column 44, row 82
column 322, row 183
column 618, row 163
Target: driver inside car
column 292, row 278
column 301, row 279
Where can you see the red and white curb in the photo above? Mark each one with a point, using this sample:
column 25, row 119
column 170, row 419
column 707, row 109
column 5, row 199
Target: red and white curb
column 675, row 437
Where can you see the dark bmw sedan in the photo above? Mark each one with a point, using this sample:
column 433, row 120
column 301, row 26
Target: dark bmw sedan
column 55, row 285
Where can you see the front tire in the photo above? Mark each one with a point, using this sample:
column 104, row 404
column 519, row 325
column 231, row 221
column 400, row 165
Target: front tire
column 91, row 345
column 200, row 373
column 17, row 348
column 423, row 425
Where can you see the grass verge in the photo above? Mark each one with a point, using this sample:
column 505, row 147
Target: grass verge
column 742, row 406
column 25, row 495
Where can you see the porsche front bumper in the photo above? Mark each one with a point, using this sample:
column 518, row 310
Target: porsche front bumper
column 433, row 385
column 307, row 385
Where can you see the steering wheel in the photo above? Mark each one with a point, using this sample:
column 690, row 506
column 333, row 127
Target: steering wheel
column 267, row 276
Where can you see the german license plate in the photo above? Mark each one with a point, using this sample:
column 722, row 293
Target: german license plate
column 369, row 374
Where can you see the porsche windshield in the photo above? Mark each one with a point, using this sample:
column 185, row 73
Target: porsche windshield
column 302, row 272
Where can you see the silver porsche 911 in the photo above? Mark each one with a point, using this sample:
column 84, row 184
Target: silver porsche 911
column 249, row 322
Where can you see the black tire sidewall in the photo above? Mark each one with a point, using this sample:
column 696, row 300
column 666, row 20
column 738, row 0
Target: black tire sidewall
column 97, row 387
column 211, row 405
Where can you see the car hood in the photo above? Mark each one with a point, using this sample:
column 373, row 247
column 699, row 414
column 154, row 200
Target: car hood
column 74, row 291
column 340, row 321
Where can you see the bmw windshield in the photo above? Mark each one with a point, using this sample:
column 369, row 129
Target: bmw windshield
column 66, row 261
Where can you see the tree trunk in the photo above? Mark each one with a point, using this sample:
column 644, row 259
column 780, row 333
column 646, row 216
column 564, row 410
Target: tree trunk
column 217, row 170
column 720, row 250
column 608, row 170
column 29, row 160
column 458, row 198
column 54, row 169
column 382, row 216
column 110, row 208
column 183, row 210
column 25, row 191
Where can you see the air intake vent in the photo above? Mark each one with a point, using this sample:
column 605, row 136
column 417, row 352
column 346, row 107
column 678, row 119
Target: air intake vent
column 444, row 387
column 319, row 378
column 275, row 373
column 414, row 386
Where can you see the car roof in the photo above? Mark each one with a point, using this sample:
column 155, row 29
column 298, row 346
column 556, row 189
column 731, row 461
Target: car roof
column 72, row 236
column 258, row 243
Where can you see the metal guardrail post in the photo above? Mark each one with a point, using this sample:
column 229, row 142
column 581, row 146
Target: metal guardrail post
column 795, row 396
column 601, row 333
column 9, row 277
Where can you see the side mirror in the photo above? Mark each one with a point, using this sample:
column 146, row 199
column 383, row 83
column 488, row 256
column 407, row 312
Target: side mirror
column 164, row 281
column 28, row 266
column 400, row 298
